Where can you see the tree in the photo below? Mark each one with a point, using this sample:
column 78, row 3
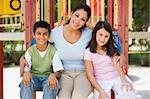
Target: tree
column 141, row 13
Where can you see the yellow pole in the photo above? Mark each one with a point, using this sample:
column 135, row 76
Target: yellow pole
column 59, row 12
column 130, row 14
column 102, row 10
column 37, row 10
column 64, row 10
column 47, row 10
column 116, row 14
column 69, row 8
column 92, row 12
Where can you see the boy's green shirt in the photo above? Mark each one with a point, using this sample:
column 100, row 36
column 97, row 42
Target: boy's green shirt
column 41, row 66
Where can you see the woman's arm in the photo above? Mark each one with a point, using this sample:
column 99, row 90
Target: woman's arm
column 22, row 63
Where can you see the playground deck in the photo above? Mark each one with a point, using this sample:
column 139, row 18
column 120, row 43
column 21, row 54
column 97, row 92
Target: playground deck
column 139, row 75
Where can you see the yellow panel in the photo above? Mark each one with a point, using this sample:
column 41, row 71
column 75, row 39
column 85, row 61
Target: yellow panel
column 8, row 7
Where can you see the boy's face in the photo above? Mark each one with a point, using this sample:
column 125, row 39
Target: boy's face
column 41, row 36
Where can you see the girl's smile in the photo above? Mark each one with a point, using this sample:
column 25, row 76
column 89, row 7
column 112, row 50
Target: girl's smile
column 102, row 37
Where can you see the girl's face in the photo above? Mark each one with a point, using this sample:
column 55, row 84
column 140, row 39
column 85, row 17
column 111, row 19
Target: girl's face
column 41, row 36
column 78, row 19
column 102, row 37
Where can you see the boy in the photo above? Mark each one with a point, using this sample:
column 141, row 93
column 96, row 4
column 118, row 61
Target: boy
column 41, row 57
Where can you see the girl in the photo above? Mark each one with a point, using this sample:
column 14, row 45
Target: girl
column 102, row 63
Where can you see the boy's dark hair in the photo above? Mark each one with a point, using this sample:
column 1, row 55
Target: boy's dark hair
column 86, row 8
column 109, row 46
column 42, row 24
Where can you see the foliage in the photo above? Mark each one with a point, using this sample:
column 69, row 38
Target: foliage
column 13, row 50
column 139, row 59
column 141, row 13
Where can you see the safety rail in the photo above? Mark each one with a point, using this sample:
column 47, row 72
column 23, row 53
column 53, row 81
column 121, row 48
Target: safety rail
column 11, row 21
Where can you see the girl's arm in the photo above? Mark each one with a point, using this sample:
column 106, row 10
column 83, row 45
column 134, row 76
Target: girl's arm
column 125, row 83
column 116, row 62
column 89, row 72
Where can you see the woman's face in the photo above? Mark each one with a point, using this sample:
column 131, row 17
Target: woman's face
column 78, row 19
column 102, row 37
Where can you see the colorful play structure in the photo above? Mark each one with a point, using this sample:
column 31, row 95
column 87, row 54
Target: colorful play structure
column 29, row 11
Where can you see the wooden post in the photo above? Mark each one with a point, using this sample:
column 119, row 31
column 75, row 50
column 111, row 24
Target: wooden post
column 1, row 64
column 30, row 18
column 123, row 28
column 52, row 13
column 110, row 11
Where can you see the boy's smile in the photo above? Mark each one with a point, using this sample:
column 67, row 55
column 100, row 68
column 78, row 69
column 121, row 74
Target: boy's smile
column 41, row 35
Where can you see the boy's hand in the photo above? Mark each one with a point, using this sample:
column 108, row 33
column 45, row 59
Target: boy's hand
column 26, row 78
column 52, row 81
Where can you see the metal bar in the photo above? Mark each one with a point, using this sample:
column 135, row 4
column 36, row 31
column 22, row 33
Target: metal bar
column 1, row 64
column 12, row 36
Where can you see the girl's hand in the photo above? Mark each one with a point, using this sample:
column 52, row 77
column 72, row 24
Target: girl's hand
column 22, row 63
column 26, row 78
column 52, row 81
column 127, row 86
column 103, row 95
column 115, row 59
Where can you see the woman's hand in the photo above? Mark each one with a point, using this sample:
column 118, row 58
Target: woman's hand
column 22, row 63
column 26, row 78
column 52, row 81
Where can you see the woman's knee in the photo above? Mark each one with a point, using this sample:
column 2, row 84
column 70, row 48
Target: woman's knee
column 77, row 95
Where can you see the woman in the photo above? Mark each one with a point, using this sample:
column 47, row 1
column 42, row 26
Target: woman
column 70, row 41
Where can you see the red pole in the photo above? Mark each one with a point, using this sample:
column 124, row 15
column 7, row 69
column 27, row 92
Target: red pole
column 111, row 21
column 111, row 12
column 52, row 13
column 123, row 28
column 30, row 18
column 1, row 65
column 126, row 28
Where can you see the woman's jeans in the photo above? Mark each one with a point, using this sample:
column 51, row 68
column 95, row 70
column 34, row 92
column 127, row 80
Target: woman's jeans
column 38, row 84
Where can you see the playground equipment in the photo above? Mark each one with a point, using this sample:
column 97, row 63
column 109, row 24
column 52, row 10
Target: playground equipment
column 34, row 10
